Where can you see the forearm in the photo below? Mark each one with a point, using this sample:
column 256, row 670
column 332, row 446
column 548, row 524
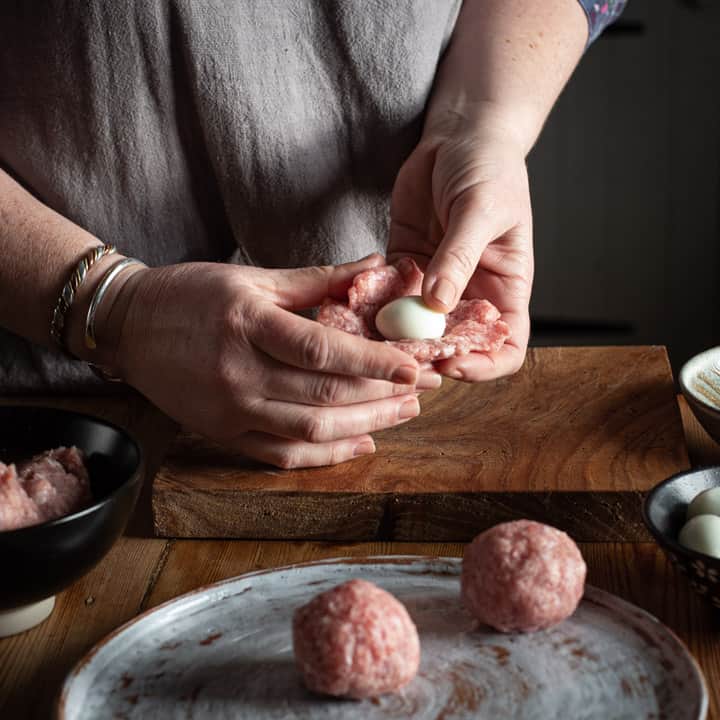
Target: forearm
column 509, row 59
column 38, row 250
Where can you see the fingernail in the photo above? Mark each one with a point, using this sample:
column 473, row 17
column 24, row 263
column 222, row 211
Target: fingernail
column 455, row 374
column 409, row 409
column 429, row 381
column 366, row 447
column 443, row 291
column 405, row 374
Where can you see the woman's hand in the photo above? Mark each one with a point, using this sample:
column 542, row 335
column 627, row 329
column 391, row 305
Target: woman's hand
column 461, row 203
column 461, row 208
column 218, row 348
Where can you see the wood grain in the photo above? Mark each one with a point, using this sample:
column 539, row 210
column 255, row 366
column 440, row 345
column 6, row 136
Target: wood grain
column 574, row 439
column 139, row 574
column 34, row 664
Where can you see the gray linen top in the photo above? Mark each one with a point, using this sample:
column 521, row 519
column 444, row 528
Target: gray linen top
column 271, row 130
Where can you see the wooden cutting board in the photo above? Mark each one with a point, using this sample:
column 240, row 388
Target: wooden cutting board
column 574, row 439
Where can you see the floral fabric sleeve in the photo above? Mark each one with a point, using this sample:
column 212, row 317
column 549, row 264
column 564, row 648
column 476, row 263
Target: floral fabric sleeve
column 600, row 14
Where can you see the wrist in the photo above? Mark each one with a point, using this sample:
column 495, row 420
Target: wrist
column 109, row 317
column 515, row 127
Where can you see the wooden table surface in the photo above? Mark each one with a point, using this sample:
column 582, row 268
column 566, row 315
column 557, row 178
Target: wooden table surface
column 141, row 572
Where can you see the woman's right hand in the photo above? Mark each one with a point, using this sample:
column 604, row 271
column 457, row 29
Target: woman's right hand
column 219, row 348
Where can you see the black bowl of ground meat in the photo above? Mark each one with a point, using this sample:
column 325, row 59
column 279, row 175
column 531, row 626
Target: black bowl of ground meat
column 68, row 483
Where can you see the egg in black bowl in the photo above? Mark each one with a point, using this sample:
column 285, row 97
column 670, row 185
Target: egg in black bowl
column 664, row 513
column 40, row 560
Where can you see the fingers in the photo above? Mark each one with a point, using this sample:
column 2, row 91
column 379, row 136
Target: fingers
column 287, row 454
column 307, row 344
column 327, row 389
column 327, row 424
column 479, row 367
column 473, row 223
column 306, row 287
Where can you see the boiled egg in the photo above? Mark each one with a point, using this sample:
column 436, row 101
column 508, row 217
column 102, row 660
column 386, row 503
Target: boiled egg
column 409, row 318
column 702, row 534
column 706, row 503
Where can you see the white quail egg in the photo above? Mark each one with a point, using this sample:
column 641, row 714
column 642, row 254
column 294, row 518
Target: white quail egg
column 702, row 534
column 409, row 318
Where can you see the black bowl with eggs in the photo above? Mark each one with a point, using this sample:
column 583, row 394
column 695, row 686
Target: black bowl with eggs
column 664, row 513
column 39, row 560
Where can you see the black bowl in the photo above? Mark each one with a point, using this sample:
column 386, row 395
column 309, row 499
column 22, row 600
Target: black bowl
column 40, row 560
column 664, row 512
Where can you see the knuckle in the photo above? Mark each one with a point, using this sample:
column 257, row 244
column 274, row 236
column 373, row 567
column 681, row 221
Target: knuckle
column 246, row 320
column 383, row 417
column 518, row 287
column 330, row 391
column 485, row 202
column 463, row 259
column 234, row 317
column 314, row 349
column 336, row 454
column 315, row 428
column 478, row 199
column 224, row 374
column 287, row 458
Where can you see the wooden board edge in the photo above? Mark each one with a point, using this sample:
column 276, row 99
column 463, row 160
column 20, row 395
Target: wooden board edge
column 422, row 517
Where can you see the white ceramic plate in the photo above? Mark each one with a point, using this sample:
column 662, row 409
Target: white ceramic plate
column 225, row 651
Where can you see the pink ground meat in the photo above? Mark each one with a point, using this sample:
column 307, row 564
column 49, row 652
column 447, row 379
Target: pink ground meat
column 16, row 508
column 473, row 326
column 522, row 576
column 356, row 641
column 338, row 315
column 50, row 485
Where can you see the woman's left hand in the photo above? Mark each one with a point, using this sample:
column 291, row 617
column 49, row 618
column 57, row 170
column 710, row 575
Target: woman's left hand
column 461, row 209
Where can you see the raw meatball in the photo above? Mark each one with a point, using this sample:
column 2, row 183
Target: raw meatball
column 522, row 576
column 356, row 641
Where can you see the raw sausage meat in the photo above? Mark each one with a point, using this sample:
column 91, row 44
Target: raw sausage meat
column 522, row 576
column 356, row 641
column 50, row 485
column 16, row 508
column 473, row 326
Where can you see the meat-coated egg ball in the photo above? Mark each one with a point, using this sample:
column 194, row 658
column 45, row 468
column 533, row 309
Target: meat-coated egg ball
column 409, row 318
column 355, row 640
column 522, row 576
column 705, row 503
column 702, row 534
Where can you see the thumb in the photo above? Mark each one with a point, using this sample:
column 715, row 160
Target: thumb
column 472, row 226
column 306, row 287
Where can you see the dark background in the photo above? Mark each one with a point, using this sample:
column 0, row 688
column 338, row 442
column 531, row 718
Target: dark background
column 626, row 188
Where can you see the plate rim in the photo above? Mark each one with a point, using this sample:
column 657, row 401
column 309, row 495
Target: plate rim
column 599, row 593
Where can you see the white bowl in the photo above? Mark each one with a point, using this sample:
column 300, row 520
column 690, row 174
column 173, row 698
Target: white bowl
column 700, row 401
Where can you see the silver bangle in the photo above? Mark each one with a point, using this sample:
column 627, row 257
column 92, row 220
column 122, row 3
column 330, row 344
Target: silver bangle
column 99, row 294
column 67, row 294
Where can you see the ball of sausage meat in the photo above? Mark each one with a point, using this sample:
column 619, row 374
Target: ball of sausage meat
column 522, row 576
column 355, row 640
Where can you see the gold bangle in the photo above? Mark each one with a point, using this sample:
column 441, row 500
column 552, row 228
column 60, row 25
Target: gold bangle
column 67, row 295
